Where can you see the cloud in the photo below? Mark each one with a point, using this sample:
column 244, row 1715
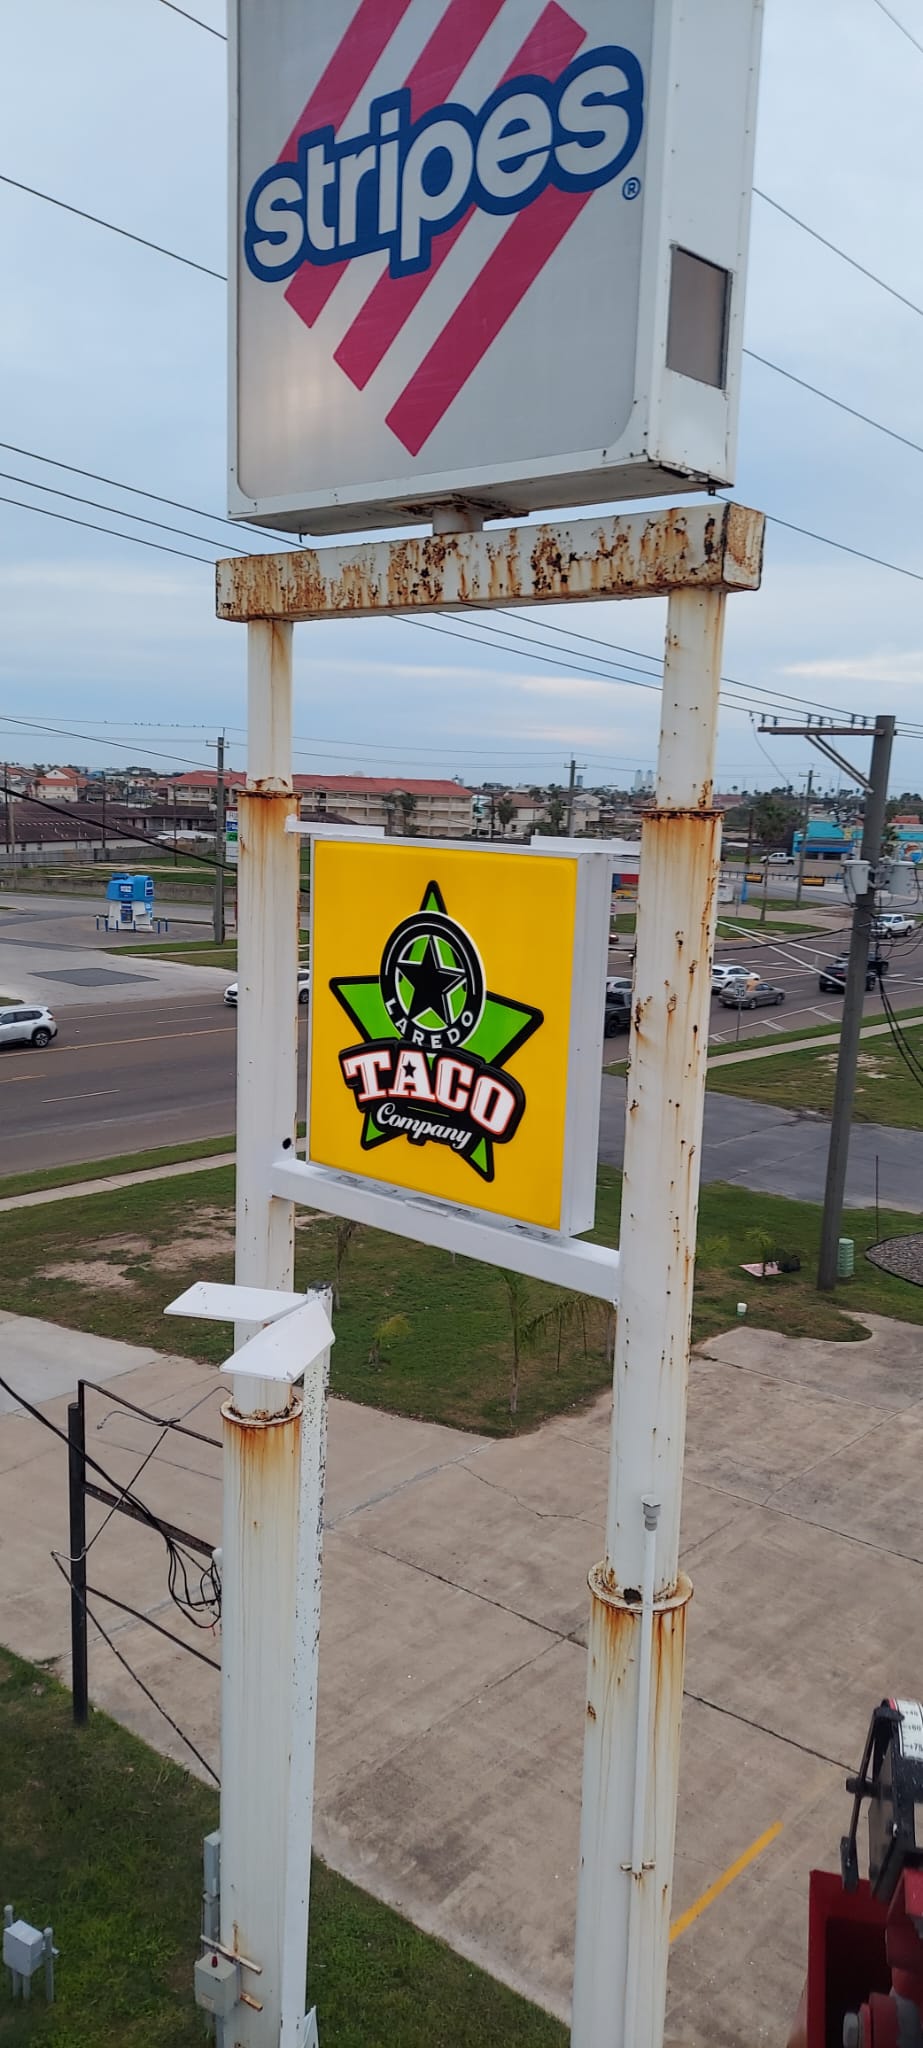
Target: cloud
column 890, row 669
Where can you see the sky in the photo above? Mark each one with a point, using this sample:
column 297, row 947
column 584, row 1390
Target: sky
column 113, row 359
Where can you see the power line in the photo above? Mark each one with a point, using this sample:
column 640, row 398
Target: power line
column 156, row 497
column 899, row 24
column 837, row 251
column 98, row 222
column 184, row 11
column 137, row 518
column 132, row 1673
column 93, row 526
column 840, row 403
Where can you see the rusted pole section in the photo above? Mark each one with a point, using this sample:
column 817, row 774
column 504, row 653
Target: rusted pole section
column 263, row 1421
column 267, row 961
column 638, row 1594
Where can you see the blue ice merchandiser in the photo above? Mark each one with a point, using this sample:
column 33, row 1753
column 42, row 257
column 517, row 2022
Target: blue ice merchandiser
column 130, row 903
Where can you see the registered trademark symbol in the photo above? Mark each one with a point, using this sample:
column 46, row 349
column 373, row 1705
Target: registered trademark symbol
column 631, row 188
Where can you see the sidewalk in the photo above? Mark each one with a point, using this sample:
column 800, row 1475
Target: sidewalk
column 452, row 1659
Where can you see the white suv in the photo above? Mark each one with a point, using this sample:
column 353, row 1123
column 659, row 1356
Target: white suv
column 722, row 973
column 22, row 1026
column 304, row 989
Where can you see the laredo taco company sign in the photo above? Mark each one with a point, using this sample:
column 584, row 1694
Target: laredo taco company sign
column 485, row 247
column 456, row 1024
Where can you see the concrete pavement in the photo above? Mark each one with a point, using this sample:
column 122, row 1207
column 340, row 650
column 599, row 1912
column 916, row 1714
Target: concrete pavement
column 784, row 1152
column 51, row 952
column 452, row 1660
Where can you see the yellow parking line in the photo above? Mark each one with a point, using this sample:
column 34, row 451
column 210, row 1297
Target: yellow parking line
column 727, row 1878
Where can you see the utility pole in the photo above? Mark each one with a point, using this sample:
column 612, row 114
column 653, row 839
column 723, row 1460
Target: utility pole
column 749, row 837
column 218, row 912
column 8, row 813
column 105, row 850
column 875, row 784
column 175, row 849
column 571, row 789
column 802, row 850
column 847, row 1063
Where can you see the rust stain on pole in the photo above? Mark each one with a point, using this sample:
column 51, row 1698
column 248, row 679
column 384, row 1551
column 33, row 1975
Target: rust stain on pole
column 709, row 547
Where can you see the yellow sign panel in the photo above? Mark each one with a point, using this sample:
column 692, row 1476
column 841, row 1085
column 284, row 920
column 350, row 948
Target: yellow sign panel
column 441, row 1007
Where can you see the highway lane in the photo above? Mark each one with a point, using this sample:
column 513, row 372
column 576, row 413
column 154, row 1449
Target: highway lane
column 158, row 1069
column 119, row 1079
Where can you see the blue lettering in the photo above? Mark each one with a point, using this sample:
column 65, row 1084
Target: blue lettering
column 396, row 187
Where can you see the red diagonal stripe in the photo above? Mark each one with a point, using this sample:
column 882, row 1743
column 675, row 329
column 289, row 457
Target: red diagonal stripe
column 555, row 39
column 352, row 63
column 484, row 311
column 436, row 71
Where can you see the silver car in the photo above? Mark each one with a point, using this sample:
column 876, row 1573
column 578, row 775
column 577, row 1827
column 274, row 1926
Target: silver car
column 20, row 1025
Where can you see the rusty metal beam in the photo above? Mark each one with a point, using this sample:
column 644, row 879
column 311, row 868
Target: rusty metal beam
column 636, row 554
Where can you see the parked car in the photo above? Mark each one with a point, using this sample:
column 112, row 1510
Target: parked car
column 618, row 1012
column 892, row 924
column 725, row 972
column 618, row 985
column 22, row 1026
column 832, row 979
column 304, row 988
column 745, row 995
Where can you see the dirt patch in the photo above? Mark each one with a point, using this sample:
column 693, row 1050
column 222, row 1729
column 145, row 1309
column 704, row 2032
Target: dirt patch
column 210, row 1237
column 97, row 1275
column 125, row 1249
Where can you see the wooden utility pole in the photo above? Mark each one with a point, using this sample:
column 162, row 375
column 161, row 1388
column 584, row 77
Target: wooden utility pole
column 875, row 784
column 218, row 912
column 802, row 850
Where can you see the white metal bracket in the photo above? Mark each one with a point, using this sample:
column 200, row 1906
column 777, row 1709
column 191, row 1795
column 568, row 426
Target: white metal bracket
column 284, row 1348
column 308, row 2034
column 540, row 1254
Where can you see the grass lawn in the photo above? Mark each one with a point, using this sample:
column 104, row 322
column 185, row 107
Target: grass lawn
column 108, row 1265
column 100, row 1169
column 740, row 926
column 782, row 1038
column 886, row 1092
column 191, row 952
column 103, row 1838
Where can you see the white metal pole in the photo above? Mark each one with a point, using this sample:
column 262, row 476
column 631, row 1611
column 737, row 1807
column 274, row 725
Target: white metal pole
column 264, row 1423
column 623, row 1911
column 267, row 965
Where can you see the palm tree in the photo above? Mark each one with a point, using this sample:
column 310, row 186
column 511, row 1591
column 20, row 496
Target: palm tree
column 506, row 812
column 408, row 804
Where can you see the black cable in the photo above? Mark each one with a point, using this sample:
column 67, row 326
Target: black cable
column 899, row 24
column 836, row 251
column 124, row 746
column 174, row 9
column 773, row 518
column 157, row 497
column 93, row 526
column 95, row 825
column 94, row 1618
column 98, row 222
column 178, row 1555
column 840, row 403
column 138, row 1614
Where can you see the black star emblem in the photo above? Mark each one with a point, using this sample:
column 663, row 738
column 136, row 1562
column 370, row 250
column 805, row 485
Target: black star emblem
column 432, row 983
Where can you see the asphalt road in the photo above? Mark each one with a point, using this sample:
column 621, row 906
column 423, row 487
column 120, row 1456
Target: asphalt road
column 119, row 1080
column 159, row 1068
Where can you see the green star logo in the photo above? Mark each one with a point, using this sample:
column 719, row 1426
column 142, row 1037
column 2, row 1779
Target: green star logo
column 435, row 1042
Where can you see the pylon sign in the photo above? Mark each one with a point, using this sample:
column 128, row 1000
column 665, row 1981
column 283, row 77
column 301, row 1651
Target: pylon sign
column 488, row 248
column 457, row 1012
